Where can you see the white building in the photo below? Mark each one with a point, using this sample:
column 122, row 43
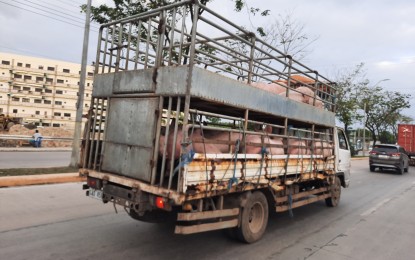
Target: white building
column 41, row 91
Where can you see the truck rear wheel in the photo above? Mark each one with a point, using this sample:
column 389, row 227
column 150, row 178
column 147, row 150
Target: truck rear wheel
column 254, row 218
column 335, row 190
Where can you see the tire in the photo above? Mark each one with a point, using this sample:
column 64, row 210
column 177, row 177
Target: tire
column 335, row 190
column 401, row 169
column 372, row 168
column 254, row 218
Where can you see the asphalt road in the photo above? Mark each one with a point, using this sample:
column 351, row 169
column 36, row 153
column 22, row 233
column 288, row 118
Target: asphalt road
column 38, row 159
column 375, row 220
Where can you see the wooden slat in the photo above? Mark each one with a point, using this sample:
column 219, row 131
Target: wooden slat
column 184, row 230
column 207, row 214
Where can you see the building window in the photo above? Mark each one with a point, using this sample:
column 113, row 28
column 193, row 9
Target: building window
column 59, row 92
column 87, row 84
column 19, row 64
column 58, row 103
column 27, row 77
column 49, row 80
column 14, row 111
column 56, row 125
column 87, row 95
column 15, row 99
column 47, row 102
column 5, row 62
column 51, row 68
column 39, row 79
column 40, row 67
column 60, row 81
column 90, row 74
column 38, row 90
column 67, row 114
column 48, row 90
column 66, row 70
column 37, row 112
column 57, row 114
column 26, row 100
column 45, row 124
column 37, row 101
column 17, row 76
column 27, row 65
column 16, row 88
column 26, row 88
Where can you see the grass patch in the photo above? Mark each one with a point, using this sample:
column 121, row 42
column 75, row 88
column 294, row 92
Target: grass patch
column 36, row 171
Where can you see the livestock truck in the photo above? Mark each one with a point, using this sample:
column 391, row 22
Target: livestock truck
column 198, row 121
column 406, row 139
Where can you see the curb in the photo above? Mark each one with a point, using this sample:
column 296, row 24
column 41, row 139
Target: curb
column 41, row 149
column 12, row 181
column 360, row 158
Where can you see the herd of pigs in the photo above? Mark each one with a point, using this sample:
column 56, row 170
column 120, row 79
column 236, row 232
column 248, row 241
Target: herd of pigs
column 217, row 142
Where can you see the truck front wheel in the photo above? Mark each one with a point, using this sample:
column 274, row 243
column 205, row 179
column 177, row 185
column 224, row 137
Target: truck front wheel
column 254, row 218
column 335, row 191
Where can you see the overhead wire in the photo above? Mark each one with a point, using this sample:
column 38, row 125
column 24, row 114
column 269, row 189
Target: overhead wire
column 51, row 17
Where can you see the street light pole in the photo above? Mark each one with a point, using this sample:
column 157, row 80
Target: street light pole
column 365, row 119
column 80, row 104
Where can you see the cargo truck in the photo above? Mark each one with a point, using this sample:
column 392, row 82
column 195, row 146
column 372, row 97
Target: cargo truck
column 187, row 125
column 406, row 139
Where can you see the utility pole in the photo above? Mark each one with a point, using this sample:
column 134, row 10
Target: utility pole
column 80, row 103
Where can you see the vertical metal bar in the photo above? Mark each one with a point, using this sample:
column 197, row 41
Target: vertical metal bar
column 97, row 59
column 163, row 163
column 290, row 64
column 105, row 52
column 119, row 48
column 157, row 143
column 251, row 59
column 106, row 105
column 88, row 135
column 179, row 60
column 176, row 126
column 160, row 42
column 127, row 58
column 172, row 29
column 93, row 136
column 112, row 46
column 99, row 133
column 137, row 53
column 316, row 89
column 147, row 43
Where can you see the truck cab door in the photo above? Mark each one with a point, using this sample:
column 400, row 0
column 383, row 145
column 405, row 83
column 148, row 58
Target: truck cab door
column 343, row 155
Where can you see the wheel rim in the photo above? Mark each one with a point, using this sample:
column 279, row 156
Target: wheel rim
column 256, row 217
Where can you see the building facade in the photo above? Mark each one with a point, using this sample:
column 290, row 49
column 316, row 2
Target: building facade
column 42, row 91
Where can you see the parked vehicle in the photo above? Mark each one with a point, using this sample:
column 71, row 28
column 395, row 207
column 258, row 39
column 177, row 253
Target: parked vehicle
column 388, row 156
column 406, row 139
column 188, row 135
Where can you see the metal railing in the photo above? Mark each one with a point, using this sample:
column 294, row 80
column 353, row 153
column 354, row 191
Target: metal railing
column 178, row 35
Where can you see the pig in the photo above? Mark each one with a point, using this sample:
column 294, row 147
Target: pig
column 323, row 148
column 256, row 139
column 271, row 87
column 298, row 146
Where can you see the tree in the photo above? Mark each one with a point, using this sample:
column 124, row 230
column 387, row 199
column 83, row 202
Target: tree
column 382, row 109
column 350, row 83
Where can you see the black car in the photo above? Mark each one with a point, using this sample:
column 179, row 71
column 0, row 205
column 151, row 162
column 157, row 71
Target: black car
column 388, row 156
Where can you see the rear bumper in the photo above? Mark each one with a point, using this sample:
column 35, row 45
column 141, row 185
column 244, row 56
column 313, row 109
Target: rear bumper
column 385, row 164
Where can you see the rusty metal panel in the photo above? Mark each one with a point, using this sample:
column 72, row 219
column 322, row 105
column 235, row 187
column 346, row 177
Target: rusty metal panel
column 219, row 89
column 103, row 84
column 137, row 81
column 130, row 135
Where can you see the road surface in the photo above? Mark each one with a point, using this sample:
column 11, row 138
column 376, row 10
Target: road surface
column 38, row 159
column 375, row 220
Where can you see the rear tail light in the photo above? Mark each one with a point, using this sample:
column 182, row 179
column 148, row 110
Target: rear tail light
column 160, row 203
column 94, row 183
column 373, row 152
column 395, row 154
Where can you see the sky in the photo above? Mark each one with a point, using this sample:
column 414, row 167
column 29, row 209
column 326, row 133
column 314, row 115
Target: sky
column 379, row 33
